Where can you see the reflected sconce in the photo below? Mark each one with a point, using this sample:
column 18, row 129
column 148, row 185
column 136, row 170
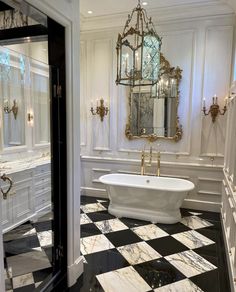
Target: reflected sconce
column 214, row 109
column 101, row 109
column 7, row 109
column 30, row 118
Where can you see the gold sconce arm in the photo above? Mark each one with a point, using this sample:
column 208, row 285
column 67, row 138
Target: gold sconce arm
column 100, row 110
column 14, row 108
column 214, row 109
column 6, row 178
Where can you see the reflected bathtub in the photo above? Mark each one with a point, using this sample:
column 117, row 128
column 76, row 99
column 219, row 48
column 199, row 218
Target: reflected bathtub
column 150, row 198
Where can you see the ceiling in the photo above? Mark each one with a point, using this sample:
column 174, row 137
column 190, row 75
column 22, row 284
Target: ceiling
column 109, row 7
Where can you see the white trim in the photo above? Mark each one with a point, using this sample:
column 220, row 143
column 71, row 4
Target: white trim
column 2, row 274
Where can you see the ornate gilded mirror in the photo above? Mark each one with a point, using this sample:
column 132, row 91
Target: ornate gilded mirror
column 153, row 111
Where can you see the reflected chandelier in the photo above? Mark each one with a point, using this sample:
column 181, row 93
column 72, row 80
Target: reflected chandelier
column 138, row 51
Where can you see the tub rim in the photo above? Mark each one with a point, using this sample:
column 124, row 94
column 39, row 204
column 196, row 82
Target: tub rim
column 186, row 189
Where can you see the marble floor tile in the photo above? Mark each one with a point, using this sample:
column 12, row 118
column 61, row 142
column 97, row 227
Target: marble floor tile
column 190, row 263
column 46, row 217
column 89, row 208
column 195, row 222
column 23, row 280
column 22, row 245
column 137, row 253
column 192, row 239
column 94, row 243
column 45, row 238
column 149, row 231
column 22, row 231
column 84, row 219
column 37, row 284
column 28, row 262
column 181, row 286
column 8, row 273
column 125, row 279
column 195, row 213
column 102, row 201
column 111, row 225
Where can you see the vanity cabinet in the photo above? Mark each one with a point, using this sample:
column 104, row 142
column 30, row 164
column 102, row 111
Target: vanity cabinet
column 31, row 194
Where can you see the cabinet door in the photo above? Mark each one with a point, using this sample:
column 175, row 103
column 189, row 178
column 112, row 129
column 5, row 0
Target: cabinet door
column 23, row 204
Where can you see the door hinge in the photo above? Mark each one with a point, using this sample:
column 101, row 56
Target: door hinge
column 57, row 90
column 59, row 252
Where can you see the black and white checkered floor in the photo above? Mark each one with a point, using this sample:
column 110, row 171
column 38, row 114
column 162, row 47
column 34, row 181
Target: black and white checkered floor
column 28, row 252
column 135, row 256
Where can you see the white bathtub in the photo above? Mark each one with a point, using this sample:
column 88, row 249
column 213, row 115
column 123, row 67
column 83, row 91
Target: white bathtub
column 151, row 198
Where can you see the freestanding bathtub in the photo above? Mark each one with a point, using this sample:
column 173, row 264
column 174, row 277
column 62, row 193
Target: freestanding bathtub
column 151, row 198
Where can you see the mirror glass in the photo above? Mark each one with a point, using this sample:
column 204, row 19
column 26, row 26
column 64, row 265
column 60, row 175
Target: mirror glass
column 153, row 111
column 40, row 94
column 12, row 95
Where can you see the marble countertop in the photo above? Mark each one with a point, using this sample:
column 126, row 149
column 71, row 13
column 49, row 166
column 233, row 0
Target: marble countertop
column 9, row 167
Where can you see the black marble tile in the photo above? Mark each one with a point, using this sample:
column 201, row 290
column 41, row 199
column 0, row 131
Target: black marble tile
column 210, row 282
column 89, row 230
column 184, row 212
column 87, row 283
column 28, row 288
column 208, row 251
column 131, row 223
column 158, row 273
column 123, row 237
column 41, row 275
column 43, row 226
column 89, row 200
column 105, row 204
column 48, row 251
column 19, row 246
column 211, row 232
column 173, row 228
column 167, row 245
column 105, row 261
column 100, row 216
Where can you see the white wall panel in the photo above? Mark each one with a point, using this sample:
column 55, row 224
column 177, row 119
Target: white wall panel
column 217, row 76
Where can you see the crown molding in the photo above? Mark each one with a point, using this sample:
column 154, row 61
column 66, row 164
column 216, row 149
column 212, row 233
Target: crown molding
column 160, row 15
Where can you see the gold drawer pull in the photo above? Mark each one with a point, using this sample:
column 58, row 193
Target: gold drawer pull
column 6, row 178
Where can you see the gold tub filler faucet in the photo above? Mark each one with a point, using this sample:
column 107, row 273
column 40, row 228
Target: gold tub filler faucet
column 150, row 155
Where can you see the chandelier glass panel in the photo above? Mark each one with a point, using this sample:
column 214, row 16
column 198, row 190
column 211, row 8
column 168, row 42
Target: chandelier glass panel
column 138, row 51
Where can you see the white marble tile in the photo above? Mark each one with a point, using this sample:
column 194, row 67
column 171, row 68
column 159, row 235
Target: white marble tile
column 45, row 238
column 181, row 286
column 37, row 284
column 125, row 279
column 84, row 260
column 111, row 225
column 195, row 222
column 95, row 207
column 22, row 231
column 8, row 273
column 23, row 280
column 101, row 201
column 189, row 263
column 84, row 219
column 137, row 253
column 94, row 243
column 149, row 231
column 192, row 239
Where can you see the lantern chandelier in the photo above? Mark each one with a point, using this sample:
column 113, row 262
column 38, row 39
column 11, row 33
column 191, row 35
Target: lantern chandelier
column 138, row 51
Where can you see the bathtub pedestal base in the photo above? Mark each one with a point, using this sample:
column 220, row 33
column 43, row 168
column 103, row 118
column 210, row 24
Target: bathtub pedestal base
column 165, row 217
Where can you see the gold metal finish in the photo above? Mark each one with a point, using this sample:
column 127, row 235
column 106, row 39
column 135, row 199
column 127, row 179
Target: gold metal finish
column 138, row 50
column 6, row 178
column 14, row 108
column 101, row 110
column 171, row 72
column 150, row 155
column 214, row 109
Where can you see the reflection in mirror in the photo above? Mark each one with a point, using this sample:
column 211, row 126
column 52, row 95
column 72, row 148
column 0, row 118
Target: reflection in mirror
column 154, row 110
column 40, row 94
column 12, row 98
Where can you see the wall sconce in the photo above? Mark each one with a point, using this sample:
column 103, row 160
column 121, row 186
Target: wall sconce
column 30, row 118
column 101, row 110
column 7, row 109
column 214, row 109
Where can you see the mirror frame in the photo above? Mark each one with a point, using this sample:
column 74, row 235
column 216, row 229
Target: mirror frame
column 174, row 73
